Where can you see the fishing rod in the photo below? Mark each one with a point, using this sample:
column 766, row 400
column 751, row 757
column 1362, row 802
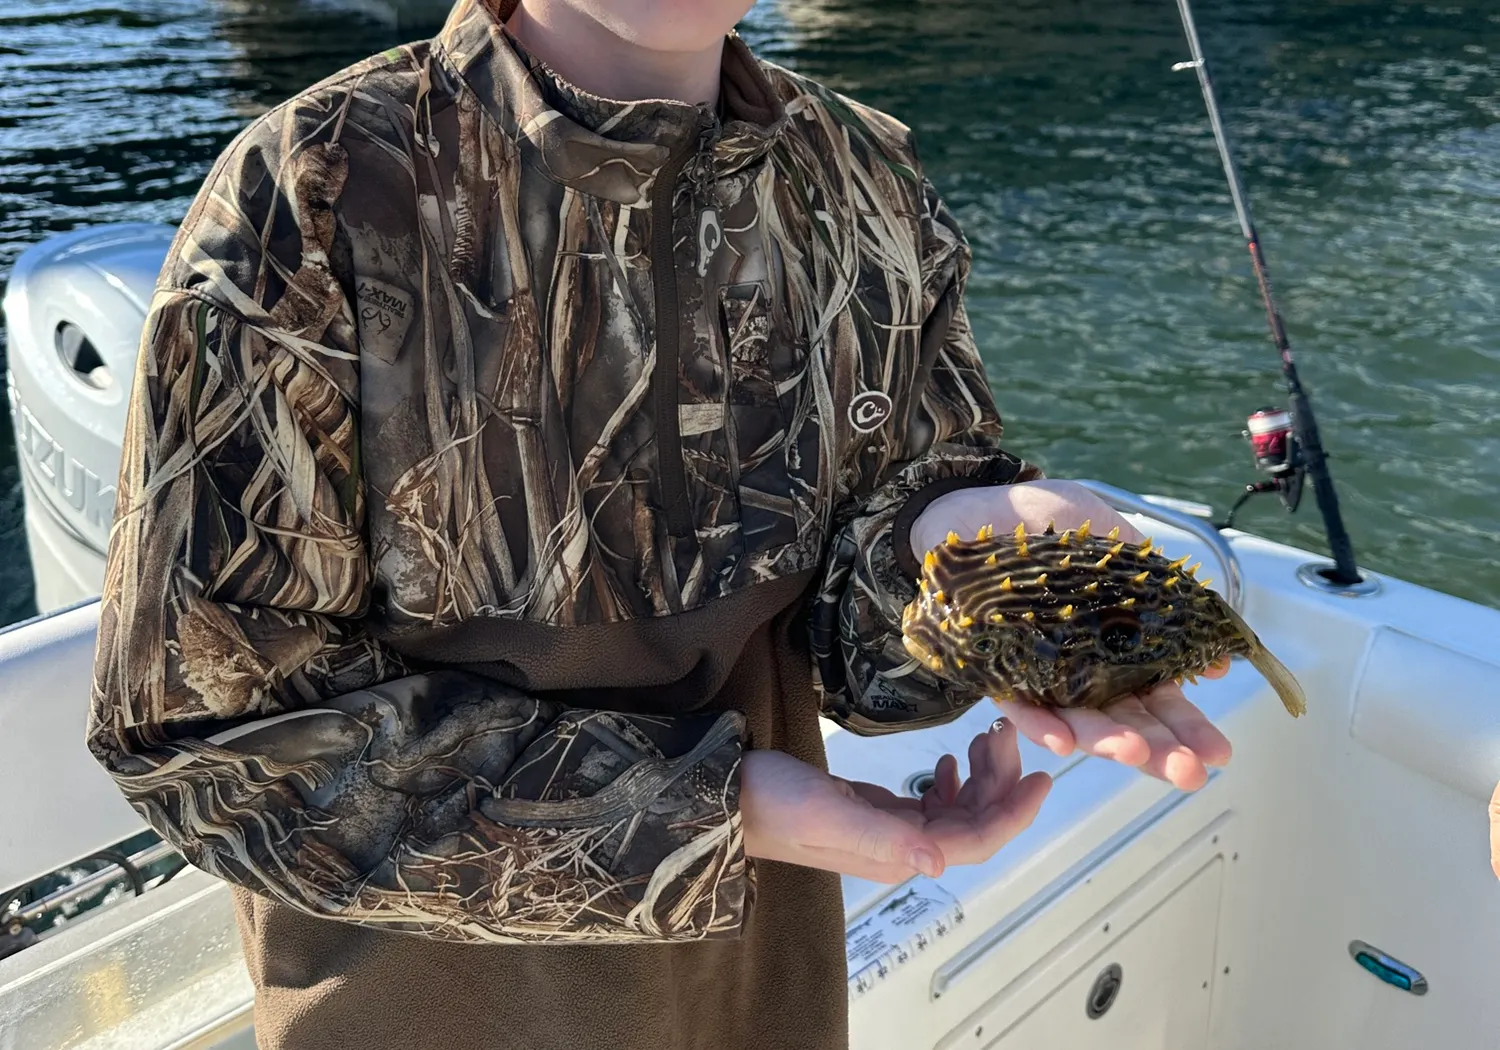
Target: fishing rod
column 1285, row 443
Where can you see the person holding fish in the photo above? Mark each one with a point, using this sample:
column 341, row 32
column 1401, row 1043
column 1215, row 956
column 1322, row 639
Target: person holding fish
column 536, row 431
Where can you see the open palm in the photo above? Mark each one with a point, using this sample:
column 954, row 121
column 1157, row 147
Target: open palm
column 796, row 813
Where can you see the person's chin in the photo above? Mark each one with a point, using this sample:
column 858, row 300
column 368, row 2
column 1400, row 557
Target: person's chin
column 682, row 26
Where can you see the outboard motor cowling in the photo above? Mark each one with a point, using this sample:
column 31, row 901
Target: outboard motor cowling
column 75, row 308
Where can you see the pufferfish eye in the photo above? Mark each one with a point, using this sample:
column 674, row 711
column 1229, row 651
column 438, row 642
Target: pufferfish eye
column 985, row 645
column 1121, row 636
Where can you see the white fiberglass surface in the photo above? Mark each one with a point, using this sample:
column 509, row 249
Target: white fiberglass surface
column 1364, row 820
column 61, row 803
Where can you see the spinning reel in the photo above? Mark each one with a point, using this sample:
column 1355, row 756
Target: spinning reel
column 1273, row 442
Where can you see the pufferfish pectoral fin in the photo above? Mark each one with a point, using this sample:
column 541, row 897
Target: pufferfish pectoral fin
column 909, row 614
column 916, row 650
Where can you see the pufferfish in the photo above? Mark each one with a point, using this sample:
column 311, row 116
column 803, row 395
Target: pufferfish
column 1073, row 619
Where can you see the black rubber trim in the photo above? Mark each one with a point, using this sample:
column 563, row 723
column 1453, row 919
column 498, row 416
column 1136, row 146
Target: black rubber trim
column 915, row 504
column 1002, row 470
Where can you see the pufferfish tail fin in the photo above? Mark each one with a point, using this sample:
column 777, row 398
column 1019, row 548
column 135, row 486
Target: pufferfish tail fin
column 1273, row 670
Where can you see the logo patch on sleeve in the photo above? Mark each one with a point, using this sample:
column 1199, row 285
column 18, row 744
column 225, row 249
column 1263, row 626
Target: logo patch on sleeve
column 385, row 316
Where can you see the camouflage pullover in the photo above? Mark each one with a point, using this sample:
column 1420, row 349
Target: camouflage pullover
column 455, row 372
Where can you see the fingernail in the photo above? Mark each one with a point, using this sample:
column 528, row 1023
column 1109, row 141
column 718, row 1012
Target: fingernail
column 998, row 725
column 924, row 862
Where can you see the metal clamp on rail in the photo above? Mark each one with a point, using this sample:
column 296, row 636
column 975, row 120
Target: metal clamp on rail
column 91, row 883
column 23, row 925
column 1200, row 528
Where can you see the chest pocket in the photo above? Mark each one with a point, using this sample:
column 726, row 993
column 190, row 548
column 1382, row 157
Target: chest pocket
column 773, row 440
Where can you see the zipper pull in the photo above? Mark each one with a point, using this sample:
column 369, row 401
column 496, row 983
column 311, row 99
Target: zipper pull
column 700, row 177
column 700, row 168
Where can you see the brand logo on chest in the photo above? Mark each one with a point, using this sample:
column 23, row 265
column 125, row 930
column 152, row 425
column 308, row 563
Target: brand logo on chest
column 869, row 409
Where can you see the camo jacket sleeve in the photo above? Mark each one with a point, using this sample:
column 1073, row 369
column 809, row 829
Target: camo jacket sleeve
column 243, row 706
column 868, row 682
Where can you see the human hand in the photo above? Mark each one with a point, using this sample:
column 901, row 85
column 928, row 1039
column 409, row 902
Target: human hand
column 1495, row 832
column 796, row 813
column 1159, row 732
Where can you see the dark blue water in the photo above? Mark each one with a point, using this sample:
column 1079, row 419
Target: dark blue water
column 1111, row 291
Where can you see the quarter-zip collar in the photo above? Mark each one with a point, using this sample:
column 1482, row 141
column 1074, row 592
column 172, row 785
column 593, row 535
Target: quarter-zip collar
column 601, row 146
